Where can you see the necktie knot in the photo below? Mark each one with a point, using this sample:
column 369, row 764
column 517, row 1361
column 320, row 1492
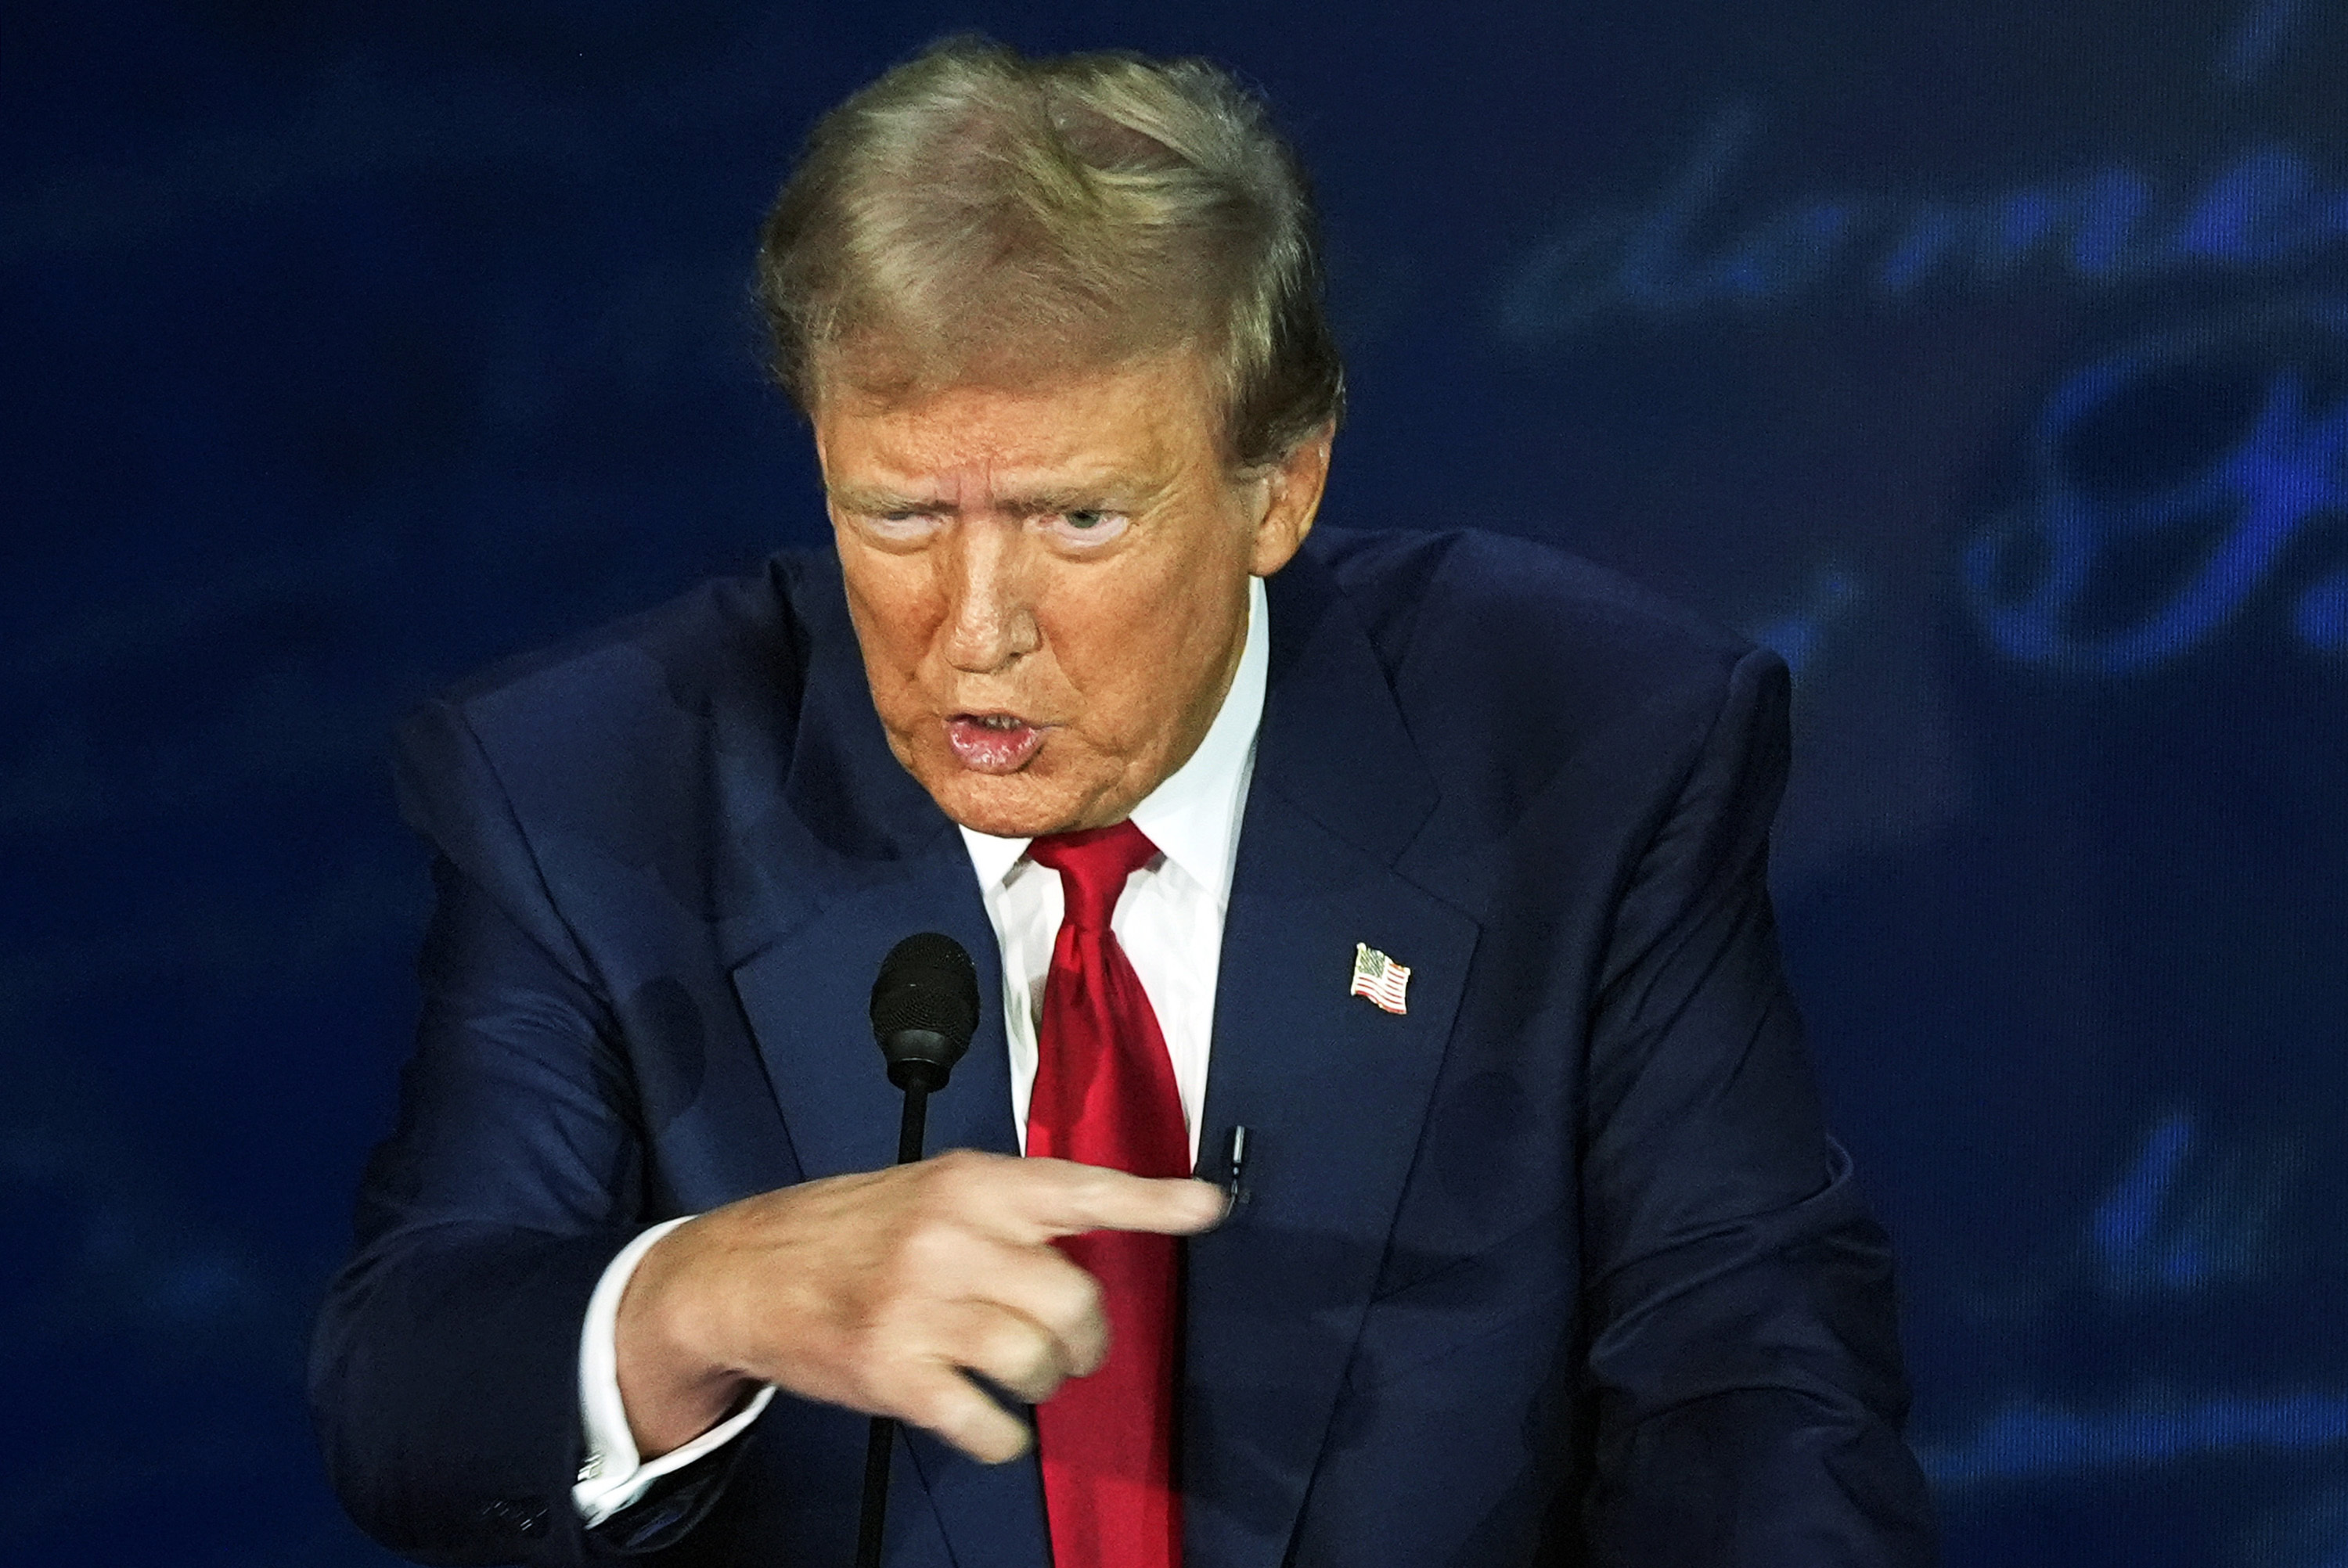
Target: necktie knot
column 1093, row 865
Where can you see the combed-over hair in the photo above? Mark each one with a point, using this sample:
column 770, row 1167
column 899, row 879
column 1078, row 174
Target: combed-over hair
column 979, row 216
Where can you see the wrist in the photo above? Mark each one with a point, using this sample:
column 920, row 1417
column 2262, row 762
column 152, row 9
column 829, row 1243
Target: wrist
column 671, row 1387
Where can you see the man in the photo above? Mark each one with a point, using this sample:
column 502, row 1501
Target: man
column 1427, row 870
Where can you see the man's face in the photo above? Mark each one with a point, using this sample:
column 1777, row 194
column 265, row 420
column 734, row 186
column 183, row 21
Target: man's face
column 1049, row 583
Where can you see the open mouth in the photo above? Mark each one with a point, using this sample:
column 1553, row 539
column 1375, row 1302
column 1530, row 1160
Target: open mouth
column 993, row 742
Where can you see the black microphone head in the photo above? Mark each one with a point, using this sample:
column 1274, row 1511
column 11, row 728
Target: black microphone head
column 924, row 1008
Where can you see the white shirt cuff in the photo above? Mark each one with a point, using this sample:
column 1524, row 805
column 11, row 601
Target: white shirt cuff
column 614, row 1476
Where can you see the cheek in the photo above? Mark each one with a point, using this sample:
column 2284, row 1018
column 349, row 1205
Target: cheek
column 1140, row 660
column 894, row 617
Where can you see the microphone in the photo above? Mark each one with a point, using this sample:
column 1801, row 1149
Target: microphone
column 924, row 1010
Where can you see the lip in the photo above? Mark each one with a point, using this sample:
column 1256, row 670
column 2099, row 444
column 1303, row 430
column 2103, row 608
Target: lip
column 985, row 743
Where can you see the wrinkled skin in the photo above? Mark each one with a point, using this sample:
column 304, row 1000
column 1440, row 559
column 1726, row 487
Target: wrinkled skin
column 1073, row 558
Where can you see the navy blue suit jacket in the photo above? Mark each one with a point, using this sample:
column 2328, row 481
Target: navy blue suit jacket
column 1559, row 1267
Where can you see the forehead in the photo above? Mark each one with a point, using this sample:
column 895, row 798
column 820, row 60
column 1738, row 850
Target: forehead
column 1142, row 418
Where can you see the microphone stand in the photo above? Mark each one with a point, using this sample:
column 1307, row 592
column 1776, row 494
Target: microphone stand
column 880, row 1446
column 924, row 1010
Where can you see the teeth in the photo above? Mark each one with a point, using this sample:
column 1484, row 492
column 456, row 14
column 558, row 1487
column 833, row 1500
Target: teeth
column 999, row 722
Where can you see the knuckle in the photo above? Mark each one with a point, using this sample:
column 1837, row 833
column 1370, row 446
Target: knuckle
column 924, row 1406
column 929, row 1251
column 950, row 1407
column 1086, row 1296
column 958, row 1167
column 1093, row 1184
column 1017, row 1350
column 964, row 1428
column 980, row 1428
column 1078, row 1300
column 954, row 1183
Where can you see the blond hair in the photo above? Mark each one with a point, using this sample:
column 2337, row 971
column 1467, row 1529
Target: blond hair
column 975, row 215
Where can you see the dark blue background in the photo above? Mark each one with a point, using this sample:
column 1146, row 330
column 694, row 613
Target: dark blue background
column 1990, row 360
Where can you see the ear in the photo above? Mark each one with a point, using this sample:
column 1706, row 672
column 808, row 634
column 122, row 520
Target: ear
column 1292, row 489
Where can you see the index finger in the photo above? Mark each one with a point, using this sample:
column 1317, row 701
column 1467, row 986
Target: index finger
column 1061, row 1197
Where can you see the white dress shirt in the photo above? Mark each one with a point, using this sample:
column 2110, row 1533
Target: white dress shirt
column 1168, row 921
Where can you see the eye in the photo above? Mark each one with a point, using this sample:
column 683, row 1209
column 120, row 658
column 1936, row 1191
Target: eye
column 900, row 526
column 1084, row 526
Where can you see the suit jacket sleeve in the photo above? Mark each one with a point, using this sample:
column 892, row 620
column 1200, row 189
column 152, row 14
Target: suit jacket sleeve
column 1742, row 1355
column 444, row 1370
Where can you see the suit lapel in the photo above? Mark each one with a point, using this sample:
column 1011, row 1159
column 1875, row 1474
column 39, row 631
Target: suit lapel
column 876, row 862
column 1332, row 1088
column 806, row 996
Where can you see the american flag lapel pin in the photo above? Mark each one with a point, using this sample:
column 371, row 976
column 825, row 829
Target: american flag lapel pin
column 1379, row 978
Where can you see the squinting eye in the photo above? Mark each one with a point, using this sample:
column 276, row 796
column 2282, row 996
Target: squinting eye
column 901, row 525
column 1088, row 526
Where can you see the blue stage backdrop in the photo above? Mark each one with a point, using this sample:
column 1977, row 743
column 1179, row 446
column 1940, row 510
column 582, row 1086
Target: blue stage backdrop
column 1989, row 361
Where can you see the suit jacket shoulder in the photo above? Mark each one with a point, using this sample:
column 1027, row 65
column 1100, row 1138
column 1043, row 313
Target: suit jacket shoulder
column 615, row 707
column 1519, row 668
column 672, row 753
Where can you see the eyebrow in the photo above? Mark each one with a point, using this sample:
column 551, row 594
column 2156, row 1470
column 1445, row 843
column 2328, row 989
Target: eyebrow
column 880, row 502
column 1120, row 496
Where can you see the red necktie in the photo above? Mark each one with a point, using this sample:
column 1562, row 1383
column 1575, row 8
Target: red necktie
column 1105, row 1095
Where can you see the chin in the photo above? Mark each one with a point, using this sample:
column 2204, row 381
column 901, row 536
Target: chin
column 1007, row 805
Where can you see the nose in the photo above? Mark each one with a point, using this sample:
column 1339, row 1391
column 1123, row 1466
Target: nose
column 990, row 620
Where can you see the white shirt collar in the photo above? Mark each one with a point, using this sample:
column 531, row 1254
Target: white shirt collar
column 1194, row 816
